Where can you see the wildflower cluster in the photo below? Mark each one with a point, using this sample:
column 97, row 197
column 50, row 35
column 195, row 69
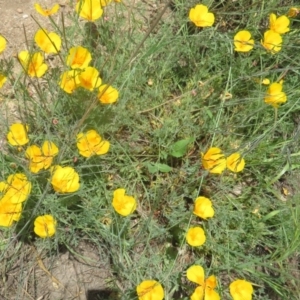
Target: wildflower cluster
column 46, row 158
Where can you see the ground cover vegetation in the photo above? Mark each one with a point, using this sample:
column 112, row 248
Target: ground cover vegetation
column 170, row 141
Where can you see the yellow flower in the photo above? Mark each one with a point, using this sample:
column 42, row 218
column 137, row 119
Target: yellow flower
column 34, row 154
column 69, row 81
column 241, row 290
column 17, row 135
column 150, row 290
column 235, row 162
column 110, row 95
column 214, row 160
column 78, row 58
column 205, row 290
column 195, row 236
column 272, row 41
column 45, row 226
column 203, row 208
column 46, row 12
column 41, row 158
column 90, row 10
column 243, row 42
column 91, row 143
column 16, row 189
column 89, row 78
column 64, row 179
column 2, row 80
column 49, row 42
column 33, row 63
column 265, row 81
column 123, row 204
column 293, row 12
column 279, row 25
column 2, row 44
column 200, row 16
column 9, row 212
column 274, row 95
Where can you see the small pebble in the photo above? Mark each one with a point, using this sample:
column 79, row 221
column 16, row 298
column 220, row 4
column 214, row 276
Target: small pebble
column 25, row 16
column 19, row 10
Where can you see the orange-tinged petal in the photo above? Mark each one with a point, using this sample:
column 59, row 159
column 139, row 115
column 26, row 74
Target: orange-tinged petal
column 243, row 41
column 274, row 95
column 45, row 226
column 123, row 204
column 91, row 143
column 89, row 78
column 90, row 10
column 200, row 16
column 48, row 42
column 203, row 208
column 195, row 274
column 17, row 135
column 9, row 212
column 79, row 58
column 279, row 25
column 46, row 12
column 195, row 236
column 150, row 290
column 64, row 179
column 272, row 41
column 235, row 162
column 241, row 290
column 69, row 81
column 214, row 160
column 107, row 94
column 211, row 294
column 198, row 293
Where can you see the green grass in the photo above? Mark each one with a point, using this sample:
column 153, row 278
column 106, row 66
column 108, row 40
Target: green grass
column 169, row 91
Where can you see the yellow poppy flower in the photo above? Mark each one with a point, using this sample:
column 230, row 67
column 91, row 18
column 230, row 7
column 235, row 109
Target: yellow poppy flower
column 123, row 204
column 110, row 95
column 16, row 189
column 200, row 16
column 203, row 208
column 33, row 64
column 213, row 160
column 44, row 226
column 64, row 179
column 150, row 290
column 89, row 79
column 18, row 134
column 9, row 212
column 41, row 158
column 241, row 290
column 69, row 81
column 293, row 12
column 90, row 10
column 46, row 12
column 2, row 80
column 2, row 44
column 235, row 162
column 274, row 95
column 243, row 42
column 206, row 288
column 78, row 58
column 49, row 42
column 279, row 25
column 272, row 41
column 91, row 143
column 195, row 236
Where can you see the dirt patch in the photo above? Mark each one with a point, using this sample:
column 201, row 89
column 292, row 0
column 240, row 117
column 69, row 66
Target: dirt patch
column 85, row 275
